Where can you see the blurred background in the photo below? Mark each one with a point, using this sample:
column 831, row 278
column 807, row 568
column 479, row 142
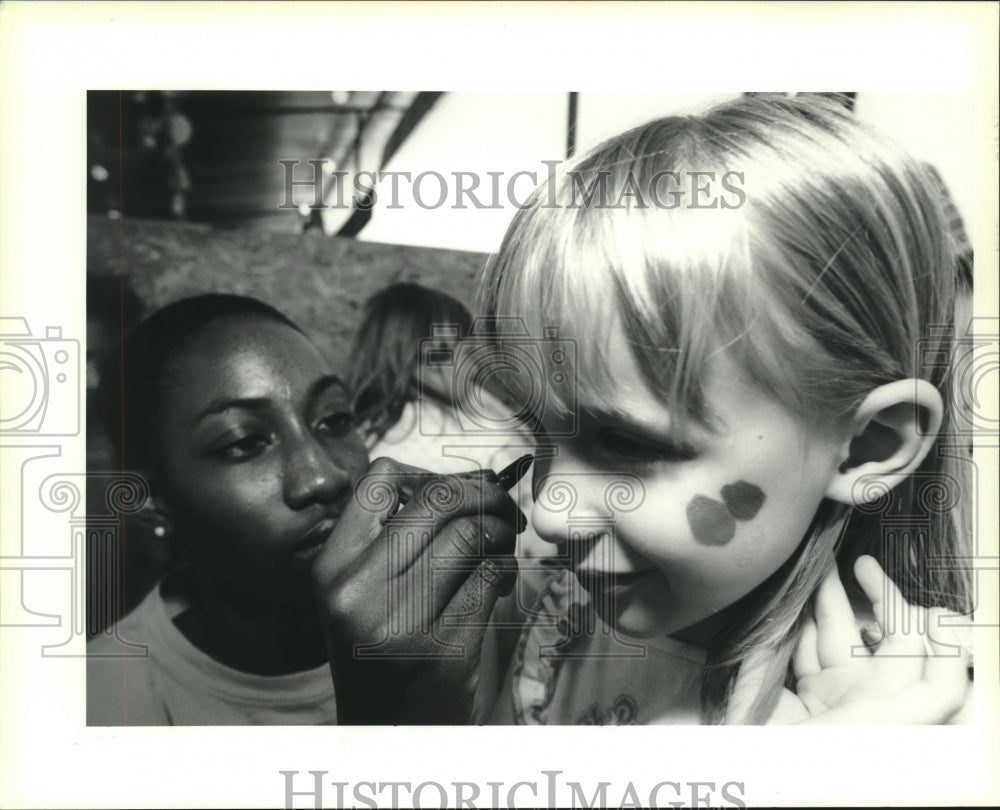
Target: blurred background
column 196, row 191
column 192, row 192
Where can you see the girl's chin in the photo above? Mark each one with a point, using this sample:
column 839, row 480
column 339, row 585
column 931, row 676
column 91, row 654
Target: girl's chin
column 629, row 617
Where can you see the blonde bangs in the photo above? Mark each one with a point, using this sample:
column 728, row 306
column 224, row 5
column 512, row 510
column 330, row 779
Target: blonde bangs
column 676, row 282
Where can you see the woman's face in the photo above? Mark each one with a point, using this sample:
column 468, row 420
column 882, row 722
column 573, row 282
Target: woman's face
column 715, row 511
column 260, row 456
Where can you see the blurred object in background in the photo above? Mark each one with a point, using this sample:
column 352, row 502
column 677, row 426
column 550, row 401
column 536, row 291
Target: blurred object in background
column 135, row 154
column 213, row 156
column 121, row 566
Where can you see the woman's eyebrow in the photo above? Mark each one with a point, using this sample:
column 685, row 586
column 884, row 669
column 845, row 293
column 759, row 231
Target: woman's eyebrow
column 221, row 405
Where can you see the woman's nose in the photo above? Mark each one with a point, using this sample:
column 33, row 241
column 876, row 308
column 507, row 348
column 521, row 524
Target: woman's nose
column 312, row 475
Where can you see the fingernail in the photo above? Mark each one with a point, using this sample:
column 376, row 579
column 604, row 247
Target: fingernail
column 490, row 572
column 509, row 571
column 482, row 472
column 514, row 471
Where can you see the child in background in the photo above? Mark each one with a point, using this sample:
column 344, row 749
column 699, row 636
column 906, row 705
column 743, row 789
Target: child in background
column 760, row 297
column 407, row 411
column 250, row 451
column 430, row 415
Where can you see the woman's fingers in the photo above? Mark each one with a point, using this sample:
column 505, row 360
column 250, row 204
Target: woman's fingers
column 837, row 638
column 471, row 605
column 378, row 495
column 406, row 507
column 467, row 551
column 391, row 571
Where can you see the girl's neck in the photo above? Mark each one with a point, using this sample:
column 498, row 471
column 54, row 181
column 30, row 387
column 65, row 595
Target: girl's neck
column 709, row 631
column 278, row 640
column 713, row 629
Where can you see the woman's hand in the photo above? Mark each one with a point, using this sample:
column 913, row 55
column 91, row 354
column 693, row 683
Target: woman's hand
column 406, row 593
column 916, row 675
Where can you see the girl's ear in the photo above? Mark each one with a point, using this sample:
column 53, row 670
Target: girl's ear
column 891, row 433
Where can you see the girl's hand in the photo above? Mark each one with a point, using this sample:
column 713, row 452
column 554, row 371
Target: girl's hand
column 406, row 592
column 917, row 674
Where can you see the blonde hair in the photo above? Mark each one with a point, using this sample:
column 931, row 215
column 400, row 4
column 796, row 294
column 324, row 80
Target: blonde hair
column 829, row 274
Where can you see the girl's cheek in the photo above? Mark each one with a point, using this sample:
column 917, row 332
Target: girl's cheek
column 713, row 519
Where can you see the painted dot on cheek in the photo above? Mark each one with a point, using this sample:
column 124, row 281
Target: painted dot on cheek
column 710, row 521
column 743, row 500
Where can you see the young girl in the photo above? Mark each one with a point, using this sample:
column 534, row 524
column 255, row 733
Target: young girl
column 760, row 304
column 759, row 409
column 249, row 448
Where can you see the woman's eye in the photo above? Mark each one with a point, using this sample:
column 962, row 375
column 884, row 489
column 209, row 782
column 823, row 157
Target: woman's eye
column 338, row 424
column 244, row 448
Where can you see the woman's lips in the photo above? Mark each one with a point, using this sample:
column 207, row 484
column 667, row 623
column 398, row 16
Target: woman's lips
column 316, row 536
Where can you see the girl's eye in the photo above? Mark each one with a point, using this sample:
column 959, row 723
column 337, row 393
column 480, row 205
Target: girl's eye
column 338, row 424
column 627, row 448
column 244, row 448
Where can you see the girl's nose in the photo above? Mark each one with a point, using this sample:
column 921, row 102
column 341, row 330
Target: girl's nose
column 565, row 488
column 312, row 475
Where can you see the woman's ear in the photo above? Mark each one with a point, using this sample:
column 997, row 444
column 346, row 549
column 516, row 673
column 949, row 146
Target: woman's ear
column 890, row 435
column 155, row 516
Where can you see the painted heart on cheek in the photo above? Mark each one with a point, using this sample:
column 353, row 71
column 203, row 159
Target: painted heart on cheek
column 710, row 521
column 743, row 500
column 713, row 523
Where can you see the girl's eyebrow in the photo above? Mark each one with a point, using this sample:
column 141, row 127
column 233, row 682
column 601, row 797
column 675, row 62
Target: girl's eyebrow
column 623, row 420
column 323, row 383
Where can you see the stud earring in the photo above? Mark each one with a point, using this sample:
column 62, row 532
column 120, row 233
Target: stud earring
column 159, row 531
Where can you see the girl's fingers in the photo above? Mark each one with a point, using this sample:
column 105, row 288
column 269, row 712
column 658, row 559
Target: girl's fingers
column 805, row 661
column 902, row 655
column 945, row 670
column 837, row 636
column 888, row 603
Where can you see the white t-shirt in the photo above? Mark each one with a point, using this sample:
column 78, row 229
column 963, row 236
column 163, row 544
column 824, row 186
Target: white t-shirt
column 176, row 684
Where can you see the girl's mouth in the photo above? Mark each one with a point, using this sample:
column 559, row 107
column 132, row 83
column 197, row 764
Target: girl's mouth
column 597, row 582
